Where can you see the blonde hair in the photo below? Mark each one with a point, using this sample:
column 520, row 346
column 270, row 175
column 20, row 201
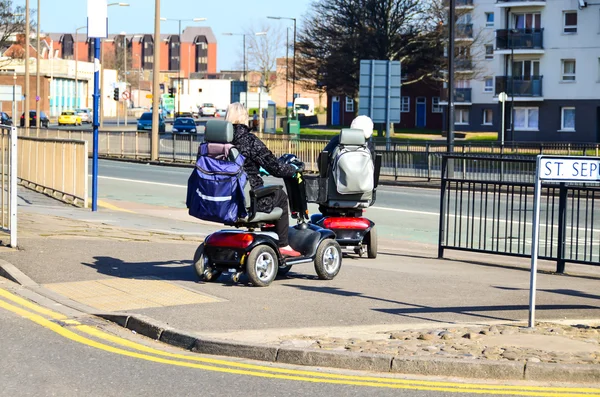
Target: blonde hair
column 236, row 114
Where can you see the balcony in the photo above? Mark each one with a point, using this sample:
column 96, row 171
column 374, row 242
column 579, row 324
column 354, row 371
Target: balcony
column 520, row 3
column 462, row 65
column 522, row 87
column 461, row 96
column 522, row 41
column 464, row 4
column 463, row 31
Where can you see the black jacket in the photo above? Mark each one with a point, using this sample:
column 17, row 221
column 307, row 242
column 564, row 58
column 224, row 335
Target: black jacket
column 258, row 155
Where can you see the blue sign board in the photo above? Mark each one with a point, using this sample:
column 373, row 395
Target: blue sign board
column 379, row 91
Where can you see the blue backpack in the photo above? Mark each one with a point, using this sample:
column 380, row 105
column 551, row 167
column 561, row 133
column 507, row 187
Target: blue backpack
column 216, row 187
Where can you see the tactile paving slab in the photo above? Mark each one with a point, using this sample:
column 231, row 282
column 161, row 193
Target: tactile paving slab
column 126, row 294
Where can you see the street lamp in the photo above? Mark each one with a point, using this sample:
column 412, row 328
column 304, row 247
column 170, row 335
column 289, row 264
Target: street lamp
column 512, row 81
column 76, row 65
column 179, row 54
column 38, row 97
column 294, row 66
column 101, row 45
column 244, row 45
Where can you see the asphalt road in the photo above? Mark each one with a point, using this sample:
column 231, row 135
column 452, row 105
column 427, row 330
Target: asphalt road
column 45, row 353
column 399, row 213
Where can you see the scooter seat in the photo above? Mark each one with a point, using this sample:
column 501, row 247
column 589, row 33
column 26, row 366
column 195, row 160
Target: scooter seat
column 265, row 217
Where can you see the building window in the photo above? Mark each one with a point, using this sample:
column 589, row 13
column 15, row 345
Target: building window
column 488, row 84
column 405, row 106
column 489, row 19
column 567, row 119
column 488, row 117
column 570, row 22
column 349, row 105
column 461, row 116
column 568, row 70
column 174, row 52
column 67, row 46
column 435, row 105
column 489, row 51
column 526, row 118
column 201, row 64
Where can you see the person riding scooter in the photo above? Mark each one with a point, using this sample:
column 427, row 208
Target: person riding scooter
column 258, row 155
column 363, row 123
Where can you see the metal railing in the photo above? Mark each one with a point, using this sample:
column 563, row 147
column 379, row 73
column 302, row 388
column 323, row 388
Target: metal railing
column 520, row 86
column 403, row 159
column 486, row 206
column 8, row 183
column 57, row 167
column 519, row 39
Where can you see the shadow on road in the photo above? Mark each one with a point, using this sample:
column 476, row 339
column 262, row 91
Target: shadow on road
column 413, row 310
column 180, row 270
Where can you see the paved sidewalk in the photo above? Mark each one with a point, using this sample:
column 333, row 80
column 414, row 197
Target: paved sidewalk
column 405, row 312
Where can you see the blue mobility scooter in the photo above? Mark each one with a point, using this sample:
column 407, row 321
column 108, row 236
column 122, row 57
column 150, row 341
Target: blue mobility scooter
column 345, row 187
column 254, row 251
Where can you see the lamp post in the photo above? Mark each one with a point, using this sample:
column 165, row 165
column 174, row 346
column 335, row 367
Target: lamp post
column 14, row 104
column 511, row 32
column 38, row 96
column 155, row 83
column 244, row 44
column 101, row 45
column 179, row 54
column 287, row 74
column 450, row 118
column 51, row 58
column 76, row 64
column 26, row 107
column 294, row 65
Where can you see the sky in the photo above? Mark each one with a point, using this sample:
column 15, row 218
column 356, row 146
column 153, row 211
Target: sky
column 59, row 16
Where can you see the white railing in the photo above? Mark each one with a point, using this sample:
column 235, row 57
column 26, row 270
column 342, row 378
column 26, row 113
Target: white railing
column 8, row 182
column 57, row 167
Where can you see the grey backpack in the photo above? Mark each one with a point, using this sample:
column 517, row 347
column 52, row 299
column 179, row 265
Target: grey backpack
column 352, row 164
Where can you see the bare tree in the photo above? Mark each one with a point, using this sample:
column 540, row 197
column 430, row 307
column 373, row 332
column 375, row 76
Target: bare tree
column 337, row 34
column 263, row 51
column 12, row 24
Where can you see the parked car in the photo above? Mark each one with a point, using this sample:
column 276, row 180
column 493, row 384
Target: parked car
column 145, row 122
column 207, row 109
column 69, row 117
column 44, row 120
column 85, row 114
column 5, row 119
column 184, row 124
column 183, row 114
column 220, row 112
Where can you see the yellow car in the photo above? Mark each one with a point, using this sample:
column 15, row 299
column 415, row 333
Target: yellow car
column 69, row 117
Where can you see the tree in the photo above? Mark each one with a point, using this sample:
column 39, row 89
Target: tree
column 263, row 51
column 115, row 60
column 337, row 34
column 12, row 24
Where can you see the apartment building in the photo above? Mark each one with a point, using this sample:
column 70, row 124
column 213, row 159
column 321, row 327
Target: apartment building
column 544, row 54
column 195, row 51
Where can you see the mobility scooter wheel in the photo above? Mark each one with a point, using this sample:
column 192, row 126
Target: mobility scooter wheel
column 205, row 272
column 328, row 260
column 282, row 271
column 372, row 244
column 261, row 266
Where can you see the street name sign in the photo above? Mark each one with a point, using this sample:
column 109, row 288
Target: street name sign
column 555, row 169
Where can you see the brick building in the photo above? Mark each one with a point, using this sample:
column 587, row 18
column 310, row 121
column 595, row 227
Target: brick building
column 194, row 52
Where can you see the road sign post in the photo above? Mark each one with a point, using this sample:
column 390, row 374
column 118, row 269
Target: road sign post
column 379, row 93
column 556, row 169
column 97, row 28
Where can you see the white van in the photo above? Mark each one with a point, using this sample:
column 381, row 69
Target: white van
column 304, row 106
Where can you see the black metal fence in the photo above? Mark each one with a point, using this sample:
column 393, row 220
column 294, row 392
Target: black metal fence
column 486, row 206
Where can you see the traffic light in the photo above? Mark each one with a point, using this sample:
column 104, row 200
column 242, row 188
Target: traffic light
column 116, row 94
column 172, row 92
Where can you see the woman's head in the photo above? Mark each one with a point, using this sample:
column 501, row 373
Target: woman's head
column 236, row 114
column 363, row 123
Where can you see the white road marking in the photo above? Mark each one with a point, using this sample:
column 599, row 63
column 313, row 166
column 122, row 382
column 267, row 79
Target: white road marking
column 143, row 182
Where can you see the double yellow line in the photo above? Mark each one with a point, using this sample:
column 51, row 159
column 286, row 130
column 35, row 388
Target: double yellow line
column 56, row 322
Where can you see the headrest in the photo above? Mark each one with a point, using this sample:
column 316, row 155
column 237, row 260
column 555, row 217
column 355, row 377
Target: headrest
column 218, row 131
column 352, row 136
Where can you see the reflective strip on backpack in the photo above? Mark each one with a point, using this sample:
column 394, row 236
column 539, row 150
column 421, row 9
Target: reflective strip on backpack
column 213, row 198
